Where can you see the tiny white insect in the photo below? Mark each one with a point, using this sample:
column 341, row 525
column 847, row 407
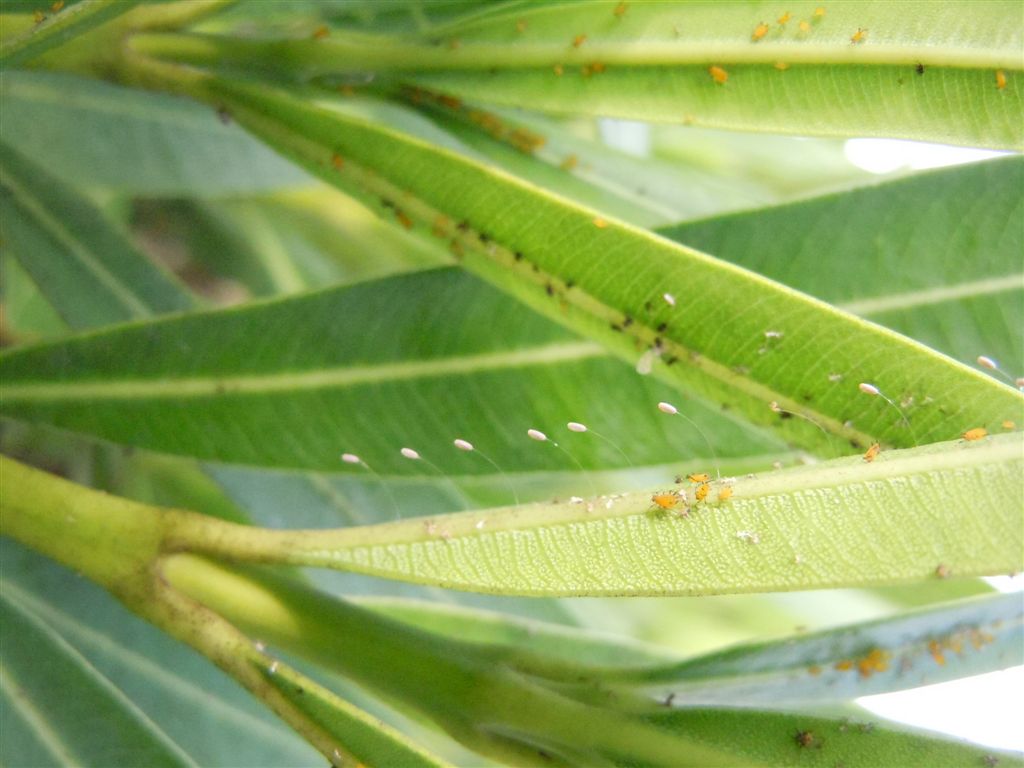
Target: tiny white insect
column 409, row 453
column 462, row 445
column 669, row 299
column 351, row 458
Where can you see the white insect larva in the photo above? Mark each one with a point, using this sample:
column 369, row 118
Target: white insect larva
column 671, row 410
column 540, row 437
column 414, row 455
column 351, row 458
column 575, row 426
column 465, row 445
column 273, row 667
column 773, row 334
column 669, row 299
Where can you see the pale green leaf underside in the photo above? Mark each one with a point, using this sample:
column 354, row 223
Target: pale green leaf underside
column 823, row 525
column 920, row 648
column 58, row 710
column 657, row 57
column 606, row 280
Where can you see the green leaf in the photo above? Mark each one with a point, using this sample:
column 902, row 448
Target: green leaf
column 59, row 710
column 99, row 134
column 655, row 64
column 657, row 58
column 642, row 191
column 86, row 268
column 57, row 29
column 921, row 648
column 935, row 255
column 518, row 706
column 368, row 740
column 308, row 366
column 822, row 525
column 739, row 339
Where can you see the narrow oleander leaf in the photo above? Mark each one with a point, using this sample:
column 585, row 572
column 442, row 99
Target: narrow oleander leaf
column 536, row 703
column 924, row 513
column 59, row 710
column 366, row 739
column 860, row 69
column 310, row 387
column 935, row 71
column 724, row 334
column 56, row 28
column 86, row 268
column 98, row 134
column 921, row 648
column 935, row 255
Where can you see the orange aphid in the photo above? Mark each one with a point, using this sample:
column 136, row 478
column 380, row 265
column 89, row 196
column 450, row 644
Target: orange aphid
column 724, row 494
column 337, row 161
column 844, row 665
column 975, row 434
column 1009, row 424
column 321, row 32
column 943, row 571
column 600, row 223
column 578, row 41
column 718, row 74
column 805, row 26
column 814, row 670
column 57, row 6
column 781, row 66
column 665, row 500
column 784, row 18
column 858, row 36
column 38, row 17
column 1000, row 79
column 558, row 69
column 759, row 31
column 819, row 12
column 872, row 452
column 702, row 491
column 620, row 10
column 877, row 660
column 935, row 649
column 570, row 162
column 404, row 220
column 699, row 477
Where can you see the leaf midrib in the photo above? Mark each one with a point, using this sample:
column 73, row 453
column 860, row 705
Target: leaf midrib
column 323, row 378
